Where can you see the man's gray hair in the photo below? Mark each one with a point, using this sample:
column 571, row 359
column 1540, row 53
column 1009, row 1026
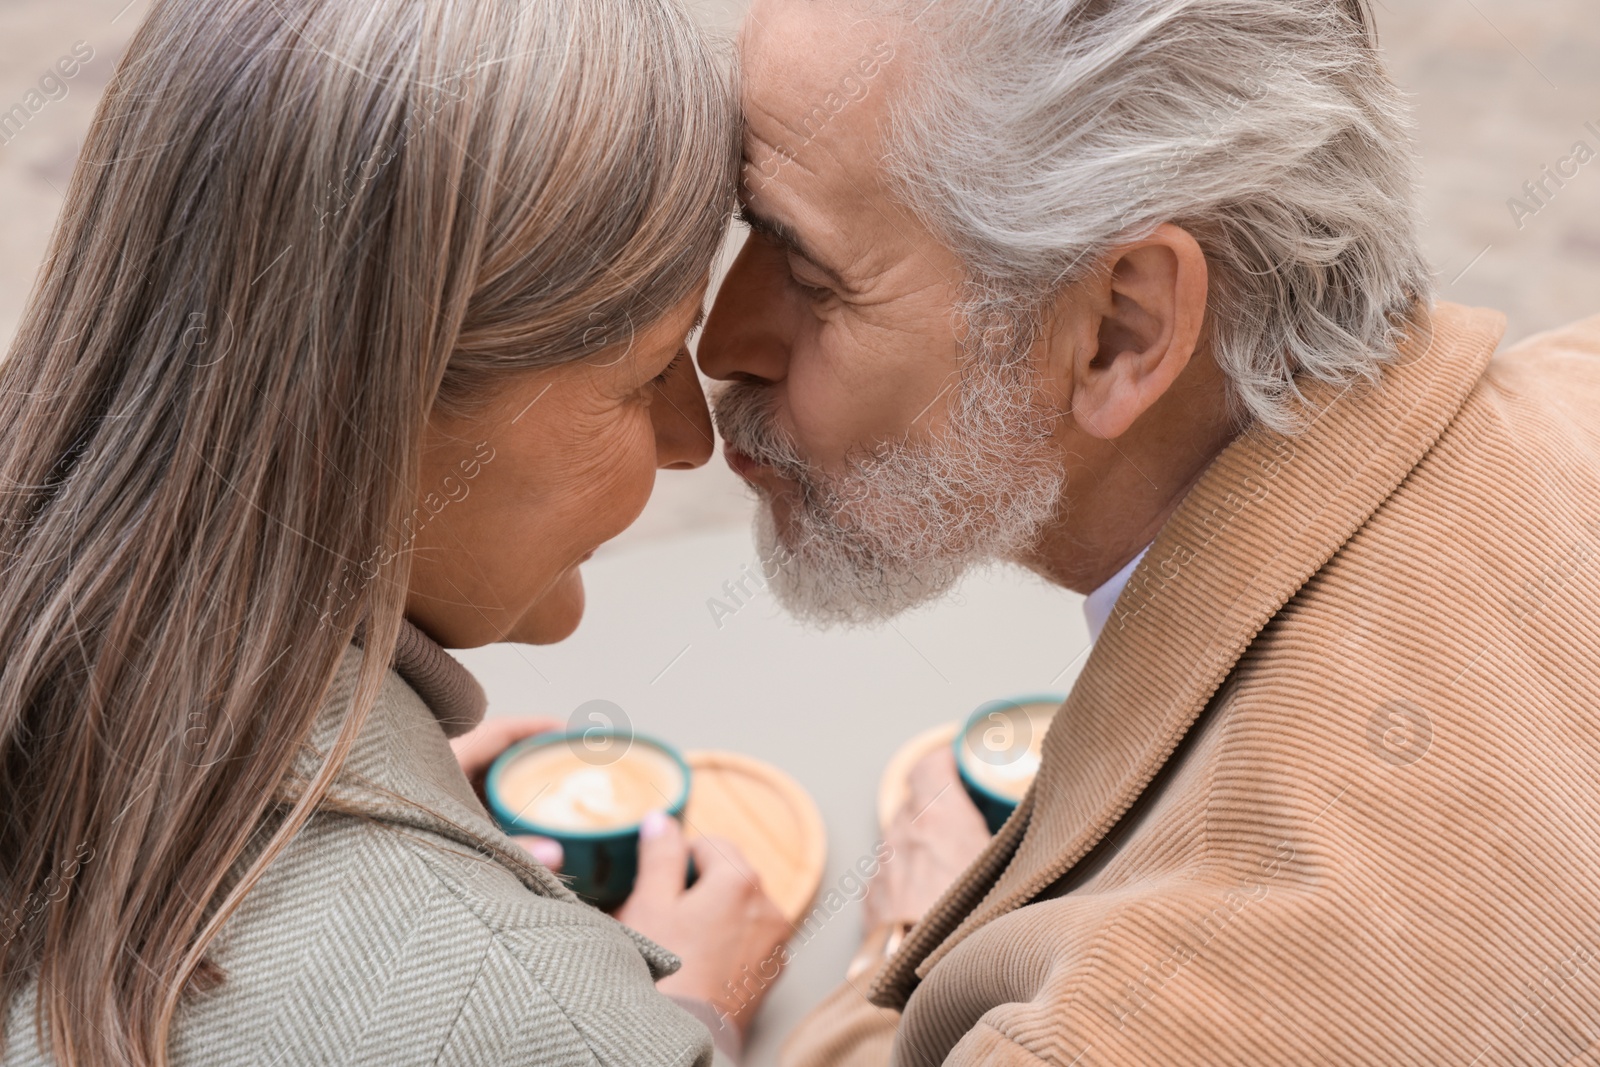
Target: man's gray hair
column 1042, row 132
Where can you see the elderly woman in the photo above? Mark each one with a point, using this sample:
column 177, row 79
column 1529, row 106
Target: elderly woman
column 325, row 265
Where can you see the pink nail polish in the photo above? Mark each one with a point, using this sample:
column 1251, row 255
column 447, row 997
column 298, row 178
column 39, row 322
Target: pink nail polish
column 653, row 825
column 546, row 852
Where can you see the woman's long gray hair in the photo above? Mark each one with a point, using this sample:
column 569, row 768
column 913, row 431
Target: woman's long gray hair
column 297, row 228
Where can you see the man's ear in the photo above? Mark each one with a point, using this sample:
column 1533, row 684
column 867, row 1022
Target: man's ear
column 1147, row 305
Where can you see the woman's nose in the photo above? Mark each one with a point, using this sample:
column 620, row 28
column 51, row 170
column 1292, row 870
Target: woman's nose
column 749, row 331
column 682, row 421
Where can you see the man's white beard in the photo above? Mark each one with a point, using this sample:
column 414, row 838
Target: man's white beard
column 900, row 528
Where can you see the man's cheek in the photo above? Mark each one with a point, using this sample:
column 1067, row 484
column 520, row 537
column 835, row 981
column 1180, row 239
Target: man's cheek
column 913, row 361
column 841, row 413
column 826, row 417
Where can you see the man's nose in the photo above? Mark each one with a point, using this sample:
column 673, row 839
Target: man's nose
column 750, row 330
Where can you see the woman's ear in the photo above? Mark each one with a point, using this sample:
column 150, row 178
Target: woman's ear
column 1147, row 305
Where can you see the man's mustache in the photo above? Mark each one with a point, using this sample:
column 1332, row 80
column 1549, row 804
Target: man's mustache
column 746, row 417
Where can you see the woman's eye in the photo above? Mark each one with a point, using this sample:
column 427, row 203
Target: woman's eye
column 661, row 379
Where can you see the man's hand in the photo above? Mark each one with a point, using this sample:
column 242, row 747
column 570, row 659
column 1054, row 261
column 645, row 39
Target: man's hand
column 727, row 931
column 478, row 748
column 936, row 835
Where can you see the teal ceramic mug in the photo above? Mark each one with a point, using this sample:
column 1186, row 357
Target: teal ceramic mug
column 997, row 752
column 588, row 790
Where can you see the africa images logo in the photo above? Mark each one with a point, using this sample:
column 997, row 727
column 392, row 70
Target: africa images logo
column 1399, row 733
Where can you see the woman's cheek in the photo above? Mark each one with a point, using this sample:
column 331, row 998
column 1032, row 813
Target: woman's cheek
column 621, row 495
column 608, row 494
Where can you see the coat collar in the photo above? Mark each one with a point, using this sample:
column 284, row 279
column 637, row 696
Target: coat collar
column 1268, row 513
column 402, row 772
column 449, row 689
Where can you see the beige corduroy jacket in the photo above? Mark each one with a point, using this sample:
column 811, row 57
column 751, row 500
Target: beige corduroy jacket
column 1328, row 788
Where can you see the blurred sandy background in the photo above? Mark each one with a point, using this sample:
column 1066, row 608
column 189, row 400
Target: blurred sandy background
column 1503, row 88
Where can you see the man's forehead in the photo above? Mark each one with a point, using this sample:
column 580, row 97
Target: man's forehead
column 820, row 77
column 806, row 62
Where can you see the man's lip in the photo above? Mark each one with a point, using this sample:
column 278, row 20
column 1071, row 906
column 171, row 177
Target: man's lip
column 741, row 464
column 763, row 477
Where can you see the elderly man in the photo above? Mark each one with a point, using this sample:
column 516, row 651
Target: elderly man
column 1130, row 292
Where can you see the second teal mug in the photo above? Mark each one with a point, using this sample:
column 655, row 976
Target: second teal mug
column 997, row 752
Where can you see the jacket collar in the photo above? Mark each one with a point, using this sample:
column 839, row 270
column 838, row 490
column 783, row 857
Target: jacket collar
column 449, row 689
column 1268, row 513
column 401, row 770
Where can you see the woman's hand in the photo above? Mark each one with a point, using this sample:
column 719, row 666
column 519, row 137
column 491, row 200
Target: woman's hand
column 479, row 747
column 728, row 932
column 936, row 835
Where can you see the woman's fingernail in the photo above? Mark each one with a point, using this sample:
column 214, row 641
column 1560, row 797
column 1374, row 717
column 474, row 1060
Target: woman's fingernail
column 653, row 825
column 546, row 852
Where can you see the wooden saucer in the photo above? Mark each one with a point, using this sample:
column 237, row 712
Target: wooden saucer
column 895, row 785
column 768, row 815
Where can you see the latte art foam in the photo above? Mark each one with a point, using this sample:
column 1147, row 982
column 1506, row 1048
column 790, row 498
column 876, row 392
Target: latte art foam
column 555, row 786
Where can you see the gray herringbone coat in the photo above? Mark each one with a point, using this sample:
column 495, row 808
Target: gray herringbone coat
column 414, row 932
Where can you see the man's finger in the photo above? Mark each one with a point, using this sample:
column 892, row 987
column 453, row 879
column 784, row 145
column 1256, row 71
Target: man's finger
column 663, row 856
column 932, row 775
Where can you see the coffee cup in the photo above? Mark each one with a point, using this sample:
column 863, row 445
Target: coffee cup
column 588, row 790
column 997, row 752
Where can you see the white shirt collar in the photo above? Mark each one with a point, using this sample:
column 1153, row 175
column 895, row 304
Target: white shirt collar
column 1098, row 604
